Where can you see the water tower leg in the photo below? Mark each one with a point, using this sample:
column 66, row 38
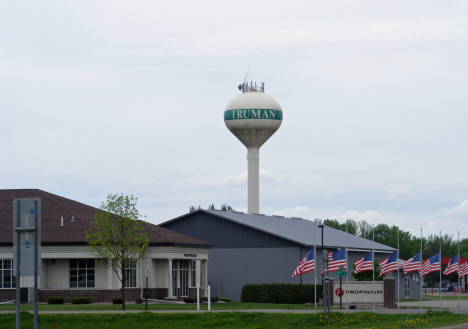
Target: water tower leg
column 253, row 179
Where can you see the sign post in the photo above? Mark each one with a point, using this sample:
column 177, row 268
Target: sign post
column 341, row 274
column 24, row 210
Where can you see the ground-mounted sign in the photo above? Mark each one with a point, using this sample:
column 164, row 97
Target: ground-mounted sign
column 359, row 292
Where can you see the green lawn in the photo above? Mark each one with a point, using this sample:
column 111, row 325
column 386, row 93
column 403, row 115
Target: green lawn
column 146, row 320
column 163, row 307
column 449, row 297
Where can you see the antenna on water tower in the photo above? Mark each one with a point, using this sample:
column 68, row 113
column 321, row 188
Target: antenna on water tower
column 253, row 117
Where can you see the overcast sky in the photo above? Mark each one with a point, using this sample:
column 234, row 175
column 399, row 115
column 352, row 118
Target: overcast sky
column 102, row 97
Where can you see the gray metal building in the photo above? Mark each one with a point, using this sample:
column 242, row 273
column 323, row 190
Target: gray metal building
column 253, row 248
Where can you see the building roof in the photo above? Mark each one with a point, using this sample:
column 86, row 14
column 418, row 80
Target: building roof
column 53, row 207
column 298, row 230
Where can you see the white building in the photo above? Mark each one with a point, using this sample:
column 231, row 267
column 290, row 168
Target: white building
column 177, row 263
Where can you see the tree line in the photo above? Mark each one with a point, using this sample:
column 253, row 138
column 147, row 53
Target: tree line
column 410, row 245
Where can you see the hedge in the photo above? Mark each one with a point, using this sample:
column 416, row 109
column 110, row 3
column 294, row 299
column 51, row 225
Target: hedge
column 213, row 299
column 81, row 300
column 280, row 293
column 226, row 300
column 55, row 300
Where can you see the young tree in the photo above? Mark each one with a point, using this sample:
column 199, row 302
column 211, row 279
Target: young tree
column 117, row 237
column 364, row 229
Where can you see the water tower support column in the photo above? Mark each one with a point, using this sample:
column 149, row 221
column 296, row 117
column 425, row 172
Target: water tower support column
column 253, row 178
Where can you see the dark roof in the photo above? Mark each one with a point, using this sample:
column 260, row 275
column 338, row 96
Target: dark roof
column 298, row 230
column 53, row 207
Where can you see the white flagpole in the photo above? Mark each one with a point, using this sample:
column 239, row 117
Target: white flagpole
column 440, row 269
column 420, row 270
column 373, row 270
column 347, row 264
column 458, row 258
column 315, row 263
column 398, row 265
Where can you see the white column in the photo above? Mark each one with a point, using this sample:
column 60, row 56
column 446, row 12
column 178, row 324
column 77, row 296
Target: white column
column 178, row 273
column 197, row 273
column 253, row 177
column 205, row 277
column 109, row 276
column 169, row 281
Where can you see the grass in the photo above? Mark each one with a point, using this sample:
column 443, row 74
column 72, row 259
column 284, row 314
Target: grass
column 148, row 320
column 450, row 297
column 161, row 307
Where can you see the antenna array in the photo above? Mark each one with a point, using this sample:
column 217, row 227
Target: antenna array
column 245, row 87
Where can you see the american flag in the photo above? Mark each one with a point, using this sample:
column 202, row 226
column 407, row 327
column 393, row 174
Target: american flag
column 389, row 265
column 452, row 266
column 364, row 263
column 430, row 265
column 306, row 265
column 412, row 264
column 336, row 259
column 463, row 269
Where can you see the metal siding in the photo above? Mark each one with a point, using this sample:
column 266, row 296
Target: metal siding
column 223, row 233
column 230, row 269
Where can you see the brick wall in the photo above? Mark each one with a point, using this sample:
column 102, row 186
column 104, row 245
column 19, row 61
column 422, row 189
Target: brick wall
column 330, row 290
column 97, row 295
column 389, row 293
column 7, row 295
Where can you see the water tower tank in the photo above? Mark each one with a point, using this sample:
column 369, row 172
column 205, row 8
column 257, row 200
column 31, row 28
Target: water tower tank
column 253, row 117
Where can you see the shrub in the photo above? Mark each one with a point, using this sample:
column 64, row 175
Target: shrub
column 189, row 300
column 55, row 300
column 81, row 300
column 227, row 300
column 117, row 300
column 213, row 299
column 280, row 293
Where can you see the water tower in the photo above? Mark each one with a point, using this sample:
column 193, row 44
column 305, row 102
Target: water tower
column 253, row 117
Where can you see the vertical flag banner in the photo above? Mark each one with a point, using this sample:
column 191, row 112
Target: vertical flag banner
column 452, row 266
column 412, row 264
column 430, row 265
column 390, row 264
column 336, row 259
column 364, row 263
column 306, row 265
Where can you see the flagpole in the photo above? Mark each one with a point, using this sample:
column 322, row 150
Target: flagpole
column 458, row 258
column 440, row 269
column 347, row 291
column 398, row 265
column 420, row 271
column 315, row 264
column 373, row 270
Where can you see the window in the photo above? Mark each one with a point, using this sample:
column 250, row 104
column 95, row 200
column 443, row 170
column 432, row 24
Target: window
column 130, row 276
column 174, row 278
column 184, row 291
column 82, row 273
column 193, row 274
column 7, row 280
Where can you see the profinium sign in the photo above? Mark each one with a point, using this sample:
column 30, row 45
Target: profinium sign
column 253, row 114
column 360, row 292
